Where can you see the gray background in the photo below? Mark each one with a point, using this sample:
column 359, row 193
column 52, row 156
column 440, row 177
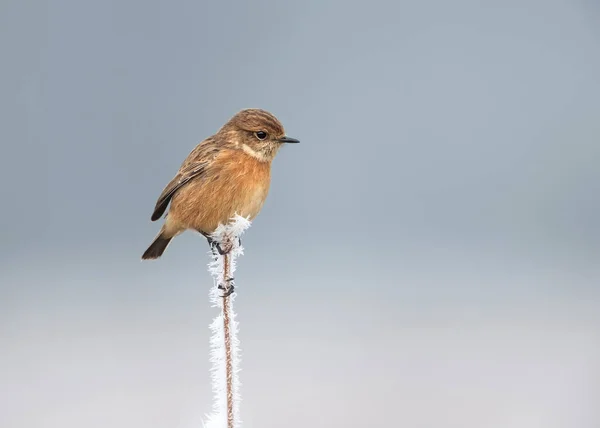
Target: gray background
column 427, row 257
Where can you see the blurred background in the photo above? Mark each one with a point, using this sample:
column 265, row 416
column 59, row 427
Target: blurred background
column 427, row 256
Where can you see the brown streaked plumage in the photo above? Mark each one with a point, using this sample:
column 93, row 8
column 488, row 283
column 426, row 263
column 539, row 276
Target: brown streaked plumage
column 228, row 173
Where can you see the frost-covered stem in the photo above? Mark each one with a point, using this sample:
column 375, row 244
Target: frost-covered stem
column 224, row 344
column 226, row 330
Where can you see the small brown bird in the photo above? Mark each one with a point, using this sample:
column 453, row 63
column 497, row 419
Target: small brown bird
column 226, row 174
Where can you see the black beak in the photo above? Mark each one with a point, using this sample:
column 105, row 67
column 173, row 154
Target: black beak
column 288, row 140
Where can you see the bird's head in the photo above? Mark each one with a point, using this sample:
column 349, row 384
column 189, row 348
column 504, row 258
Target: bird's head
column 257, row 132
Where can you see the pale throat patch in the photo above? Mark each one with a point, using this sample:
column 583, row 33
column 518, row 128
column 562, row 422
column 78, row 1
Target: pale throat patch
column 257, row 155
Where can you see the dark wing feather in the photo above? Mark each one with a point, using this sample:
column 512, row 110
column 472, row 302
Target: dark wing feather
column 193, row 167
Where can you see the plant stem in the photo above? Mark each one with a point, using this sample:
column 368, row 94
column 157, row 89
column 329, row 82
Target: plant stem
column 228, row 359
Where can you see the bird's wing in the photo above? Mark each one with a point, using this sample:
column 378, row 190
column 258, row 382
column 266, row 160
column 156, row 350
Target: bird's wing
column 193, row 167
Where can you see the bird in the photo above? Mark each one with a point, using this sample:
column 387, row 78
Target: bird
column 226, row 174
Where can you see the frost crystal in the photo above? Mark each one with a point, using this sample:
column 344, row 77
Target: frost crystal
column 224, row 344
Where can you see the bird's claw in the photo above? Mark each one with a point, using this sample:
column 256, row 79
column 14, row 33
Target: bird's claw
column 228, row 292
column 214, row 245
column 228, row 289
column 220, row 250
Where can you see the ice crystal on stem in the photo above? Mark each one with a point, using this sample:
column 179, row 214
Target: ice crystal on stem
column 224, row 344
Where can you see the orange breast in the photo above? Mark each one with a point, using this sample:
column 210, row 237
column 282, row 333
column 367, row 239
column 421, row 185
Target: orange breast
column 235, row 183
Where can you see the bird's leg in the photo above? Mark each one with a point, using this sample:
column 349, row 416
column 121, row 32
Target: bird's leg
column 221, row 251
column 228, row 287
column 214, row 245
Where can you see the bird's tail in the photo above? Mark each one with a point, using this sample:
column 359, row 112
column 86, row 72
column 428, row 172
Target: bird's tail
column 157, row 247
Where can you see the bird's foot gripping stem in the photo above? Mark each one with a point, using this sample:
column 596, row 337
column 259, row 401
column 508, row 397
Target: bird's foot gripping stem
column 214, row 245
column 228, row 288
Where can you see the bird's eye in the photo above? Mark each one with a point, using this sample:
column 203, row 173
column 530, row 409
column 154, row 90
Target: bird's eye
column 261, row 135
